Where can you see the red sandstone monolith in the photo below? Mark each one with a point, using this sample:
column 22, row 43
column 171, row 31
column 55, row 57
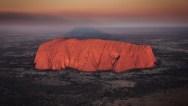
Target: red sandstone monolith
column 93, row 55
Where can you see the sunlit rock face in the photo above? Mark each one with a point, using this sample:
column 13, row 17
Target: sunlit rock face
column 93, row 55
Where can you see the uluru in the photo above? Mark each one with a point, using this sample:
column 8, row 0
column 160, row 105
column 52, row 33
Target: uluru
column 93, row 55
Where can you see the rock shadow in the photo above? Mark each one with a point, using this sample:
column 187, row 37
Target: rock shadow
column 88, row 32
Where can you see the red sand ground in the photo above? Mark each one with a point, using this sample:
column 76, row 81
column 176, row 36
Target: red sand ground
column 93, row 55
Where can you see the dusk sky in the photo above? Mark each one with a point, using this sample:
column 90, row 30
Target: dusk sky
column 97, row 12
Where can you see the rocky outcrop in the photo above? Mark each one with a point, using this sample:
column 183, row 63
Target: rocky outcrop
column 93, row 55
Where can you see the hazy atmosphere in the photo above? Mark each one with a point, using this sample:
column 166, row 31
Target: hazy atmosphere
column 105, row 13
